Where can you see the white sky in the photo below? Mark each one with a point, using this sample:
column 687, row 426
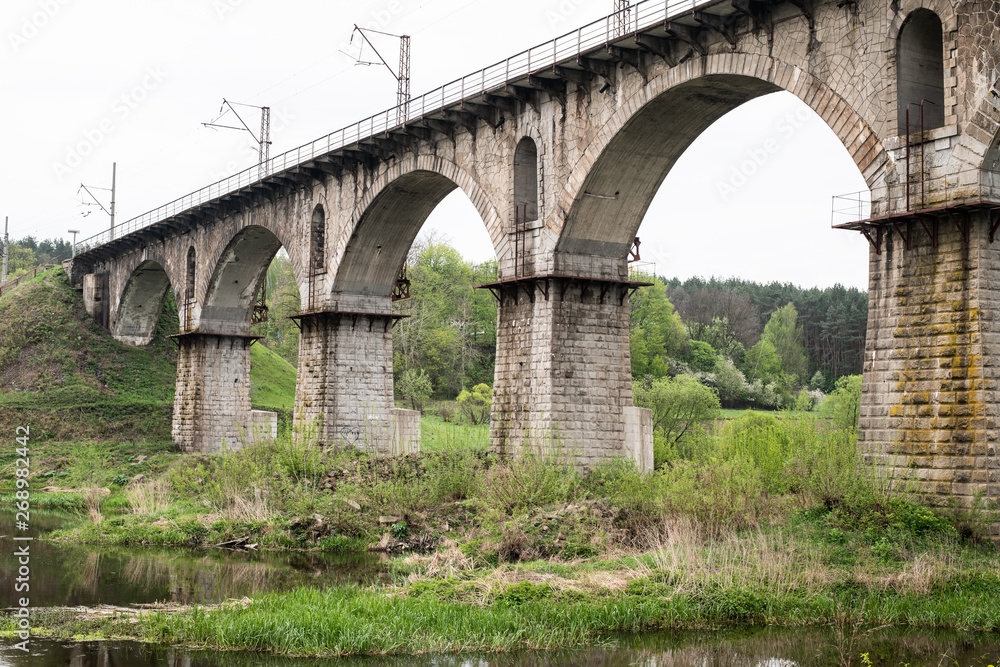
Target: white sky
column 91, row 83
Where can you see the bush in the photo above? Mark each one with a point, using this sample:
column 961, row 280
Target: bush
column 730, row 383
column 415, row 386
column 531, row 480
column 475, row 405
column 805, row 401
column 843, row 405
column 679, row 406
column 760, row 440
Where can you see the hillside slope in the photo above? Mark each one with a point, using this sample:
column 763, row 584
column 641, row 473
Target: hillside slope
column 68, row 379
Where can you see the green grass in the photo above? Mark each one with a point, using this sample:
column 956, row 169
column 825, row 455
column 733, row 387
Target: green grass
column 437, row 435
column 272, row 380
column 728, row 414
column 438, row 617
column 71, row 381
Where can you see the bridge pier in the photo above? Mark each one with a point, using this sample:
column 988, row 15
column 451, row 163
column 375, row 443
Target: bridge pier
column 929, row 409
column 563, row 376
column 344, row 386
column 212, row 396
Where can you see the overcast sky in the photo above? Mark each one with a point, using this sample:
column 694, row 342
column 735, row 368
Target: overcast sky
column 91, row 83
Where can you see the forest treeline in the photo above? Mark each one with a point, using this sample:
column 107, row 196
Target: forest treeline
column 757, row 345
column 833, row 320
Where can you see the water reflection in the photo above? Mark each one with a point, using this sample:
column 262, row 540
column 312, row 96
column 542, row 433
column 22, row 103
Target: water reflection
column 770, row 647
column 75, row 574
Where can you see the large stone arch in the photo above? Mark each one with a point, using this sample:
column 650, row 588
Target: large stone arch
column 141, row 302
column 237, row 271
column 610, row 189
column 390, row 214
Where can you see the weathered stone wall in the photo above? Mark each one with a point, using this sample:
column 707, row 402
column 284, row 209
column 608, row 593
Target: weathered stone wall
column 344, row 384
column 639, row 437
column 212, row 398
column 563, row 375
column 264, row 425
column 930, row 403
column 406, row 431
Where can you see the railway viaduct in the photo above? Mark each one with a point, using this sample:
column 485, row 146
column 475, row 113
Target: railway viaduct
column 560, row 149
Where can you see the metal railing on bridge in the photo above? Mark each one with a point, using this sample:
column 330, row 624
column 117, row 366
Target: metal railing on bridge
column 966, row 187
column 639, row 17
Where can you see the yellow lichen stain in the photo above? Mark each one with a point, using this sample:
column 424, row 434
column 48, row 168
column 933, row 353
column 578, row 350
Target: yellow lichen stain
column 938, row 352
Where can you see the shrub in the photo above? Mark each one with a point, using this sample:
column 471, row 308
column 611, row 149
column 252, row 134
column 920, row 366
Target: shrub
column 415, row 386
column 730, row 383
column 761, row 440
column 475, row 405
column 446, row 411
column 532, row 480
column 679, row 405
column 843, row 405
column 805, row 401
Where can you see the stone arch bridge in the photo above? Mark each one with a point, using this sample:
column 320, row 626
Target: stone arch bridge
column 560, row 149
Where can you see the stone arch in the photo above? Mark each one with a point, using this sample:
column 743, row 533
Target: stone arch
column 526, row 179
column 237, row 275
column 390, row 215
column 920, row 71
column 608, row 191
column 141, row 303
column 285, row 220
column 944, row 10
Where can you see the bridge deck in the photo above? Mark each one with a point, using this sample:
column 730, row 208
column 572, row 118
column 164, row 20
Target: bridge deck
column 614, row 39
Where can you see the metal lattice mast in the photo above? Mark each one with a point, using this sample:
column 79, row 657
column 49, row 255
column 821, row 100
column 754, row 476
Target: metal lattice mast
column 621, row 17
column 403, row 89
column 402, row 76
column 265, row 140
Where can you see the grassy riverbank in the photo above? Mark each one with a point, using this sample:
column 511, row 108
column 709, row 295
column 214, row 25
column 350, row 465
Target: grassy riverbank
column 768, row 576
column 70, row 381
column 770, row 522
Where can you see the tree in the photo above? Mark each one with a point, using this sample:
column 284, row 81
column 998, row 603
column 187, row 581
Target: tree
column 476, row 404
column 702, row 356
column 843, row 406
column 415, row 386
column 451, row 328
column 720, row 335
column 783, row 332
column 762, row 363
column 678, row 405
column 280, row 333
column 656, row 332
column 21, row 259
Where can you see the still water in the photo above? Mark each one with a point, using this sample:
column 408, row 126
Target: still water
column 74, row 574
column 766, row 647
